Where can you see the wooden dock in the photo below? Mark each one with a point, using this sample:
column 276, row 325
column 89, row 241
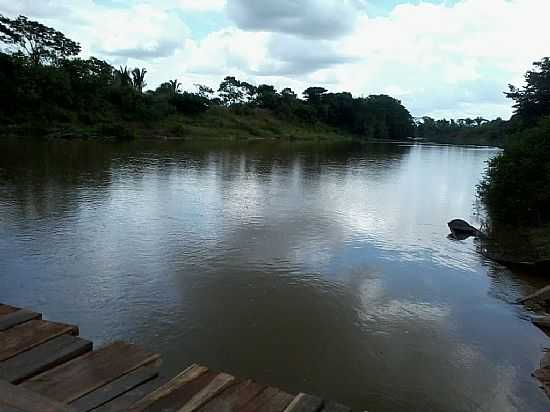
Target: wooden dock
column 46, row 367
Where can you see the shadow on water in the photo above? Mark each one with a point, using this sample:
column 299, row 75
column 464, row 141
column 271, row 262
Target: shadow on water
column 319, row 268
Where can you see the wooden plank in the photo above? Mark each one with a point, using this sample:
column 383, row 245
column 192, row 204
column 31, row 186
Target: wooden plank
column 6, row 408
column 234, row 398
column 269, row 400
column 118, row 387
column 16, row 318
column 85, row 374
column 5, row 309
column 335, row 407
column 216, row 386
column 29, row 335
column 177, row 392
column 305, row 403
column 16, row 398
column 43, row 357
column 123, row 402
column 543, row 375
column 191, row 374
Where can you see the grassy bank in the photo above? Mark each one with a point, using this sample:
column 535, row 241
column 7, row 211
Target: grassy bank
column 218, row 123
column 228, row 124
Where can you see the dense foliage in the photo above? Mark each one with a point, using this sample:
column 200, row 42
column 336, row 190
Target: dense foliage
column 517, row 184
column 533, row 101
column 44, row 82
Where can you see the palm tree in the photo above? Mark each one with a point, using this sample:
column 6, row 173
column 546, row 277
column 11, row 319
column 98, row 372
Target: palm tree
column 480, row 120
column 175, row 86
column 122, row 76
column 138, row 79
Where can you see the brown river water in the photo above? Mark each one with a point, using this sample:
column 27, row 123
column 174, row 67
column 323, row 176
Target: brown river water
column 317, row 268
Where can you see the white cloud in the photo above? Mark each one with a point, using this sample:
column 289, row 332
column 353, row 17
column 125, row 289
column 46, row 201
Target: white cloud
column 439, row 59
column 447, row 59
column 309, row 18
column 201, row 5
column 291, row 56
column 222, row 52
column 140, row 30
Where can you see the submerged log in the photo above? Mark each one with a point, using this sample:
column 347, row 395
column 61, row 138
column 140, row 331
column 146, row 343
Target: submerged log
column 542, row 322
column 542, row 294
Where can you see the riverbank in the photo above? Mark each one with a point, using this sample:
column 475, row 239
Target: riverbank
column 517, row 244
column 540, row 239
column 218, row 123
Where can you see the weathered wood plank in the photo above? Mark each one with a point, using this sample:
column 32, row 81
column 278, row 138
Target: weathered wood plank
column 16, row 318
column 269, row 400
column 29, row 335
column 234, row 398
column 335, row 407
column 5, row 309
column 7, row 408
column 543, row 375
column 15, row 398
column 123, row 402
column 174, row 397
column 43, row 357
column 305, row 403
column 216, row 386
column 87, row 373
column 192, row 373
column 111, row 391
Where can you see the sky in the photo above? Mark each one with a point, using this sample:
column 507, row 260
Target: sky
column 442, row 58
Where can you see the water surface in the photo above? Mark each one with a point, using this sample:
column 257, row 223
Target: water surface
column 322, row 268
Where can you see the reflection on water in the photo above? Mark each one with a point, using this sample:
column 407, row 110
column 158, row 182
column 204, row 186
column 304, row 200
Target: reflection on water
column 325, row 269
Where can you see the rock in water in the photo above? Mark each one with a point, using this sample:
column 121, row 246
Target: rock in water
column 461, row 229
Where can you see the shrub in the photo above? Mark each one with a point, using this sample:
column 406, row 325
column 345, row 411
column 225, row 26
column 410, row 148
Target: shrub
column 516, row 187
column 189, row 103
column 118, row 131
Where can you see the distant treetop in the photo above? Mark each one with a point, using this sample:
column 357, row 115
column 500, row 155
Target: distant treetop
column 41, row 44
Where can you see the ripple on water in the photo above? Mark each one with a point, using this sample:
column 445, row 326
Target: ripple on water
column 290, row 264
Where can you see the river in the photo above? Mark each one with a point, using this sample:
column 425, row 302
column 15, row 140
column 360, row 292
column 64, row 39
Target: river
column 317, row 268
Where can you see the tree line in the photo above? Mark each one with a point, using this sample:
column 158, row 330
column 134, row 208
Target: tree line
column 516, row 188
column 44, row 81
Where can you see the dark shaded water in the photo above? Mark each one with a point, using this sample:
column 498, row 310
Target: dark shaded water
column 315, row 268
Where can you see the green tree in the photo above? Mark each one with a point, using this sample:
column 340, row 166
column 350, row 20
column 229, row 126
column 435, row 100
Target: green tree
column 516, row 187
column 313, row 94
column 171, row 87
column 288, row 94
column 41, row 44
column 533, row 100
column 392, row 119
column 249, row 91
column 175, row 86
column 231, row 91
column 204, row 91
column 123, row 77
column 267, row 97
column 480, row 120
column 138, row 79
